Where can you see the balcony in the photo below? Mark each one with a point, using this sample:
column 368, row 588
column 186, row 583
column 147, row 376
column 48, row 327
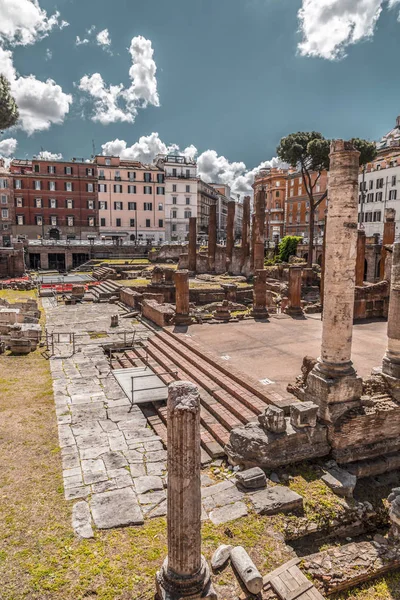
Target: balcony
column 276, row 210
column 117, row 179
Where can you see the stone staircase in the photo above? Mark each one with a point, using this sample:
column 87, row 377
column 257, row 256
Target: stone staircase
column 104, row 273
column 104, row 291
column 228, row 398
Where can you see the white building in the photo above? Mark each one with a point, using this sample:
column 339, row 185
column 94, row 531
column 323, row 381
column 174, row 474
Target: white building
column 180, row 194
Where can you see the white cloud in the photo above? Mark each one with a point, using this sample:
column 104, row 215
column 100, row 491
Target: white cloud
column 329, row 26
column 23, row 22
column 91, row 29
column 46, row 155
column 79, row 42
column 40, row 103
column 144, row 150
column 103, row 38
column 115, row 102
column 49, row 54
column 8, row 147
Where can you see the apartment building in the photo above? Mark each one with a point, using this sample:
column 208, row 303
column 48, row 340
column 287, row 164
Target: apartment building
column 7, row 213
column 274, row 183
column 206, row 196
column 181, row 193
column 55, row 199
column 131, row 200
column 298, row 205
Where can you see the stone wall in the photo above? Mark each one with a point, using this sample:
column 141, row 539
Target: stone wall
column 160, row 314
column 12, row 261
column 372, row 300
column 131, row 297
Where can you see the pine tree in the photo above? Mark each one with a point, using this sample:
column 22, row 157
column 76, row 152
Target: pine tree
column 8, row 107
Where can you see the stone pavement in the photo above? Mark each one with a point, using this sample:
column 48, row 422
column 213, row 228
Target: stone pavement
column 113, row 462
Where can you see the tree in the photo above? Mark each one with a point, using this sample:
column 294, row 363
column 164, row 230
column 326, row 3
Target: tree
column 288, row 247
column 309, row 153
column 9, row 114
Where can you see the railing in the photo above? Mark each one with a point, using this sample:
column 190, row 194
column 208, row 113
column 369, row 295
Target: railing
column 55, row 243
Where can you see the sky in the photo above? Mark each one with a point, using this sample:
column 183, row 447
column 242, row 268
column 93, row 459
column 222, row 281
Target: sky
column 219, row 80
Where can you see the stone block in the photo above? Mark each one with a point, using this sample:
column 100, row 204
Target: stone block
column 273, row 419
column 148, row 483
column 117, row 508
column 252, row 478
column 276, row 499
column 81, row 520
column 304, row 414
column 340, row 481
column 220, row 556
column 228, row 513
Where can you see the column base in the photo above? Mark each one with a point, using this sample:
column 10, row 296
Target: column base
column 334, row 388
column 390, row 367
column 182, row 320
column 170, row 586
column 260, row 313
column 294, row 311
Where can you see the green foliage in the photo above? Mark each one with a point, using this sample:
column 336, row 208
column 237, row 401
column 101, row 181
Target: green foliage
column 367, row 150
column 8, row 107
column 308, row 150
column 288, row 247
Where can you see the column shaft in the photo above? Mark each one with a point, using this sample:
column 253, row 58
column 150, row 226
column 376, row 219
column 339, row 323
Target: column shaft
column 360, row 264
column 389, row 233
column 212, row 237
column 391, row 361
column 230, row 233
column 259, row 242
column 246, row 229
column 192, row 244
column 260, row 295
column 181, row 279
column 295, row 281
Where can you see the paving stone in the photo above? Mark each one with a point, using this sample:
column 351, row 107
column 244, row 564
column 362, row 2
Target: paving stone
column 92, row 453
column 93, row 471
column 137, row 470
column 76, row 492
column 117, row 508
column 108, row 425
column 71, row 461
column 206, row 480
column 124, row 480
column 218, row 487
column 65, row 436
column 156, row 456
column 104, row 486
column 148, row 483
column 86, row 428
column 276, row 499
column 81, row 520
column 152, row 497
column 252, row 478
column 158, row 511
column 223, row 497
column 134, row 456
column 138, row 434
column 117, row 440
column 72, row 482
column 228, row 513
column 114, row 460
column 153, row 446
column 157, row 468
column 92, row 440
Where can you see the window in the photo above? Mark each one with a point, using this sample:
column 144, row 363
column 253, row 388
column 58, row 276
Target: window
column 370, row 197
column 187, row 228
column 17, row 183
column 36, row 168
column 173, row 227
column 108, row 162
column 148, row 189
column 68, row 186
column 291, row 193
column 52, row 186
column 101, row 174
column 131, row 205
column 52, row 203
column 53, row 221
column 70, row 221
column 173, row 199
column 117, row 189
column 277, row 194
column 102, row 205
column 292, row 183
column 377, row 215
column 363, row 186
column 19, row 202
column 117, row 176
column 89, row 172
column 188, row 189
column 298, row 205
column 131, row 189
column 187, row 201
column 371, row 184
column 4, row 213
column 70, row 203
column 188, row 214
column 20, row 219
column 379, row 183
column 174, row 213
column 393, row 195
column 102, row 222
column 89, row 187
column 51, row 169
column 118, row 206
column 368, row 217
column 90, row 204
column 290, row 219
column 148, row 206
column 160, row 177
column 160, row 206
column 4, row 199
column 131, row 175
column 318, row 188
column 300, row 180
column 147, row 177
column 91, row 221
column 174, row 187
column 160, row 223
column 37, row 185
column 132, row 222
column 68, row 170
column 378, row 197
column 147, row 222
column 394, row 180
column 118, row 222
column 102, row 187
column 39, row 220
column 277, row 184
column 174, row 173
column 300, row 191
column 160, row 191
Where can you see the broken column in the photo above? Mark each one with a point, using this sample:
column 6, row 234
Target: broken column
column 259, row 233
column 260, row 295
column 295, row 280
column 333, row 383
column 246, row 229
column 192, row 244
column 391, row 360
column 230, row 234
column 185, row 573
column 252, row 240
column 157, row 276
column 360, row 264
column 212, row 237
column 389, row 232
column 182, row 316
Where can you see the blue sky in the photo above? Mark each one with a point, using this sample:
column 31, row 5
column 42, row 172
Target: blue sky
column 226, row 76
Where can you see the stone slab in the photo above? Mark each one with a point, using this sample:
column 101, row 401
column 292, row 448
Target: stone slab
column 276, row 499
column 228, row 513
column 82, row 520
column 116, row 508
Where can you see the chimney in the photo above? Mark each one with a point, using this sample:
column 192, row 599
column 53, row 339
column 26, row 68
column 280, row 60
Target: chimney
column 398, row 122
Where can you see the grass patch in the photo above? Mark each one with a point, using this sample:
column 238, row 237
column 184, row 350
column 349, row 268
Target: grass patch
column 94, row 335
column 134, row 282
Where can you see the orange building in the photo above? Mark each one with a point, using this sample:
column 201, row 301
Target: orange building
column 298, row 206
column 274, row 183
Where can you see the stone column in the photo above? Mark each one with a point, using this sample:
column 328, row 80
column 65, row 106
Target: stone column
column 295, row 281
column 322, row 284
column 182, row 316
column 212, row 237
column 260, row 310
column 391, row 360
column 185, row 573
column 333, row 383
column 253, row 239
column 389, row 232
column 246, row 229
column 230, row 234
column 157, row 276
column 192, row 244
column 259, row 241
column 360, row 264
column 44, row 260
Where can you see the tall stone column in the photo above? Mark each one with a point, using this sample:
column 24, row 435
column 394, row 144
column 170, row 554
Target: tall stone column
column 185, row 573
column 333, row 383
column 389, row 232
column 322, row 284
column 360, row 264
column 295, row 281
column 260, row 310
column 212, row 237
column 182, row 316
column 246, row 229
column 391, row 360
column 259, row 241
column 253, row 239
column 230, row 234
column 192, row 244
